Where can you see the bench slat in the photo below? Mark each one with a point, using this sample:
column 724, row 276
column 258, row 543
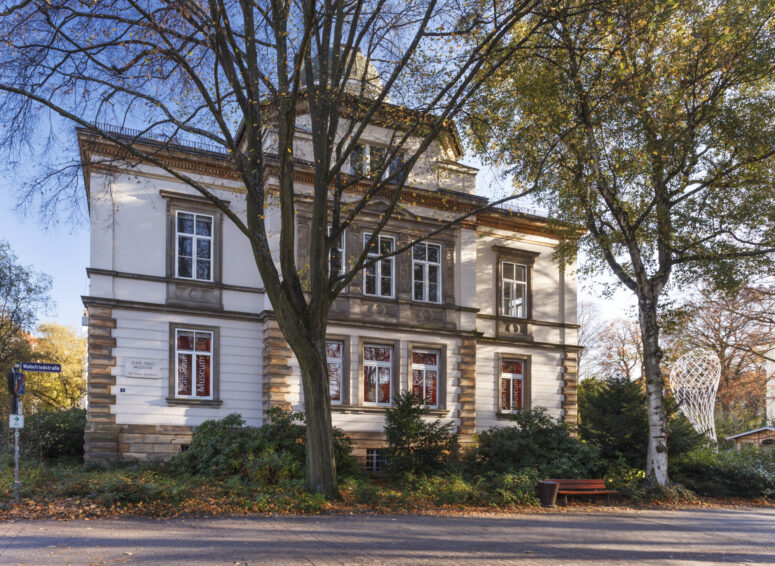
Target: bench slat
column 588, row 492
column 580, row 484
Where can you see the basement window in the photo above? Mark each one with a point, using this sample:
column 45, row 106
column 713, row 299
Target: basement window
column 375, row 460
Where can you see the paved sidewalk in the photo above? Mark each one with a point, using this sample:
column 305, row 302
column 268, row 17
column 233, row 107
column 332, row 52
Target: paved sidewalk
column 616, row 537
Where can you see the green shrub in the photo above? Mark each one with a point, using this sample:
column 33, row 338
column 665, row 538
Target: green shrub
column 452, row 489
column 415, row 445
column 630, row 481
column 505, row 490
column 366, row 492
column 535, row 443
column 50, row 435
column 613, row 416
column 269, row 454
column 492, row 490
column 748, row 472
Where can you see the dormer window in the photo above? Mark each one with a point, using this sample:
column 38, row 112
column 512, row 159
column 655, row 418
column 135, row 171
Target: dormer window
column 366, row 159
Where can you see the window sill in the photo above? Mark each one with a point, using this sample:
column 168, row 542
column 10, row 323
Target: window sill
column 360, row 409
column 503, row 416
column 378, row 298
column 174, row 401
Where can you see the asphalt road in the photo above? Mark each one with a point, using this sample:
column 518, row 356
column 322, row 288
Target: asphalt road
column 695, row 536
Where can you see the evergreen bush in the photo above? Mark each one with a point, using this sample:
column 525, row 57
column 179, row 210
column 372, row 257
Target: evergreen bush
column 748, row 472
column 535, row 442
column 269, row 454
column 613, row 416
column 415, row 445
column 52, row 435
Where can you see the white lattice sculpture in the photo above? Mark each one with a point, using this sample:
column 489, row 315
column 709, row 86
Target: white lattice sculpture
column 694, row 380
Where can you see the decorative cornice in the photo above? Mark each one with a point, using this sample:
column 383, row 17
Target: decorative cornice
column 207, row 164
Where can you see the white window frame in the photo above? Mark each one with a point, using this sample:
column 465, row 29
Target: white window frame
column 367, row 160
column 510, row 310
column 195, row 238
column 194, row 353
column 424, row 368
column 426, row 263
column 340, row 361
column 341, row 248
column 512, row 377
column 376, row 364
column 378, row 267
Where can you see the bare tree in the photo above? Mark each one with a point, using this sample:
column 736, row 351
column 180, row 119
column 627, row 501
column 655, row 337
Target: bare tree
column 615, row 351
column 740, row 329
column 241, row 75
column 590, row 327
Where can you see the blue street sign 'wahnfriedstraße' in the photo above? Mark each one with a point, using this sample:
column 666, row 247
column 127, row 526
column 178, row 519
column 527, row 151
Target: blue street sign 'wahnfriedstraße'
column 34, row 366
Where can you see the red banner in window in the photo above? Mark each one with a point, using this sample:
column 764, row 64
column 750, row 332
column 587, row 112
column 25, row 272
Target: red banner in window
column 203, row 376
column 184, row 374
column 417, row 384
column 516, row 399
column 431, row 381
column 505, row 394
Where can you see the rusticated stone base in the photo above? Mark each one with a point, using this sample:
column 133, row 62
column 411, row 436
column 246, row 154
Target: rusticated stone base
column 152, row 442
column 570, row 380
column 101, row 435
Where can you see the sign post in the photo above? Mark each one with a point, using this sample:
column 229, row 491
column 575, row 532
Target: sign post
column 16, row 385
column 15, row 382
column 17, row 421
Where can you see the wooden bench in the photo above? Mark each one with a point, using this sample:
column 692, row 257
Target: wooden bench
column 584, row 487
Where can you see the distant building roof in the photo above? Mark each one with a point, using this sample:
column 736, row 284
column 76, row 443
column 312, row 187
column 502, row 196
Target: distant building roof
column 746, row 433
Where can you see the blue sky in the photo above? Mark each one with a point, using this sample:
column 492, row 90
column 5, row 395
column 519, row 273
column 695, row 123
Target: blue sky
column 61, row 251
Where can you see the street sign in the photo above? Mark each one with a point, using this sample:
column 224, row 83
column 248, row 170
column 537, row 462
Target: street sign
column 35, row 366
column 15, row 421
column 18, row 383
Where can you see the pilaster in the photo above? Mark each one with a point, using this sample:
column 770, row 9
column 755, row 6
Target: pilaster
column 467, row 395
column 570, row 380
column 101, row 435
column 276, row 370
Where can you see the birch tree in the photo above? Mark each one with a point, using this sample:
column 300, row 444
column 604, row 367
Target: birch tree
column 650, row 123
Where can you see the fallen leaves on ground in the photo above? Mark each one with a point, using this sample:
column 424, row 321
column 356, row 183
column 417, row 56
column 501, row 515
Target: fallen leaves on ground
column 210, row 503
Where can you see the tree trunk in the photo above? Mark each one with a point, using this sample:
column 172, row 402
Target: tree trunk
column 656, row 456
column 321, row 464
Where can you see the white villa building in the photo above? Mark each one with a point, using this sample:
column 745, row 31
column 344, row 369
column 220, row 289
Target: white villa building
column 478, row 322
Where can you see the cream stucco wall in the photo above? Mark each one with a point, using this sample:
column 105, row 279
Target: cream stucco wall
column 128, row 235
